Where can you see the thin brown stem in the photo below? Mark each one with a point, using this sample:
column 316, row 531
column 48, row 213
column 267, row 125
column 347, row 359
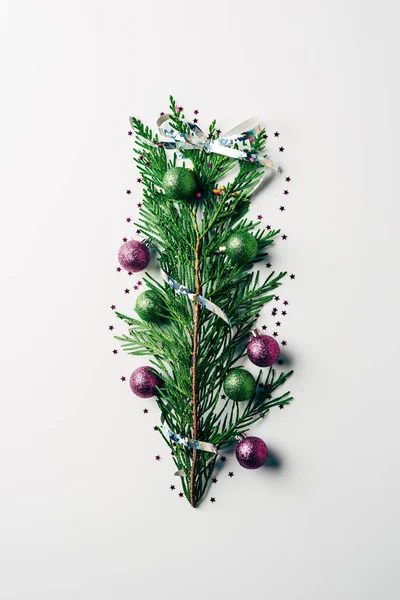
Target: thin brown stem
column 194, row 369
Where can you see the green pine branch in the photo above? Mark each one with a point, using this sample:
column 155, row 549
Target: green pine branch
column 178, row 230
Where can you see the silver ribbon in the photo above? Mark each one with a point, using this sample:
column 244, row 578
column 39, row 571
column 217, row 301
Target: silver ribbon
column 198, row 140
column 189, row 442
column 181, row 289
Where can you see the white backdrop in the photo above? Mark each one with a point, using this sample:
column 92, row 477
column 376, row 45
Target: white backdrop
column 85, row 510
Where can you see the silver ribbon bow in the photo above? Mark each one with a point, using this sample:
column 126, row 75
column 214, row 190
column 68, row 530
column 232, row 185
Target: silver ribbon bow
column 181, row 289
column 198, row 140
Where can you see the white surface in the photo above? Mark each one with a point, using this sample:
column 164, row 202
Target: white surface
column 85, row 509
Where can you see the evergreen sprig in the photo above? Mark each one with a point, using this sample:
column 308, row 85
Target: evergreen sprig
column 187, row 236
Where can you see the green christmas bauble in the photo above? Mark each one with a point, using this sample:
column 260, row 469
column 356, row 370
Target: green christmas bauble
column 149, row 306
column 241, row 247
column 179, row 183
column 239, row 384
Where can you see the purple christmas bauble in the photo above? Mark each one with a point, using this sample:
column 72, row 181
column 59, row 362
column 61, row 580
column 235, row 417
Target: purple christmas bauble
column 134, row 256
column 251, row 452
column 263, row 350
column 144, row 382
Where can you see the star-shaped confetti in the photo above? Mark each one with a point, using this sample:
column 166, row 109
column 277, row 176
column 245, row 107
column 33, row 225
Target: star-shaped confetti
column 230, row 474
column 212, row 499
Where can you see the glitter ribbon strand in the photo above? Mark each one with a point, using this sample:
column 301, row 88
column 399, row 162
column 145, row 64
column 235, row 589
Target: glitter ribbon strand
column 198, row 140
column 181, row 289
column 189, row 442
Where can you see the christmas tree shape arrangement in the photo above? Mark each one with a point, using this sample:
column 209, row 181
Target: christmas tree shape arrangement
column 197, row 323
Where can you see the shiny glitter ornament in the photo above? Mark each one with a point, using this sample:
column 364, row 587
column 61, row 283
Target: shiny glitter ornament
column 134, row 256
column 179, row 183
column 241, row 247
column 263, row 350
column 251, row 452
column 239, row 384
column 149, row 306
column 144, row 382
